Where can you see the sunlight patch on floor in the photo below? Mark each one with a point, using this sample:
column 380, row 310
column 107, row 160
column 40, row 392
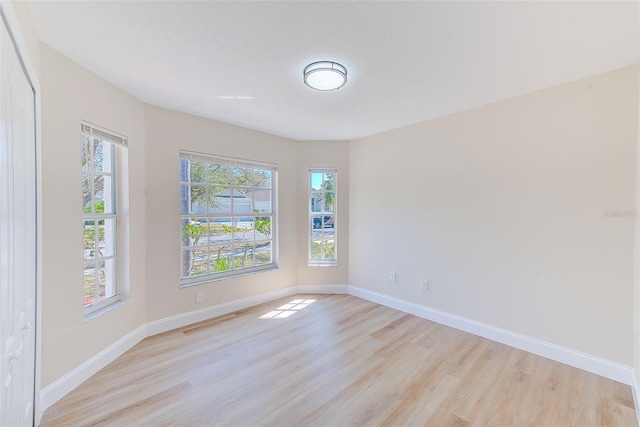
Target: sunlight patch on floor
column 287, row 309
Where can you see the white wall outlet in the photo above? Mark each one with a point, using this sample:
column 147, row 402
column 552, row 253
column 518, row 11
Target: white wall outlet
column 425, row 285
column 199, row 297
column 392, row 277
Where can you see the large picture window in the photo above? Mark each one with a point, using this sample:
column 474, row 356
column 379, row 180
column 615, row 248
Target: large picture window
column 99, row 154
column 227, row 217
column 323, row 201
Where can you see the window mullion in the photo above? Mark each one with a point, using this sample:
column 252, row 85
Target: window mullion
column 96, row 240
column 104, row 265
column 98, row 216
column 235, row 199
column 324, row 253
column 96, row 281
column 92, row 173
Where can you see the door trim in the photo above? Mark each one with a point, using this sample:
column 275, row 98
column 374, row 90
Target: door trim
column 10, row 18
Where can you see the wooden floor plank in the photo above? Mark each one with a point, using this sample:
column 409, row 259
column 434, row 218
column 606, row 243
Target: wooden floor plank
column 339, row 361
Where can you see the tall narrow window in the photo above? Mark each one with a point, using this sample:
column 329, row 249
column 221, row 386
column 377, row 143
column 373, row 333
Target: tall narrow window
column 227, row 217
column 100, row 214
column 323, row 201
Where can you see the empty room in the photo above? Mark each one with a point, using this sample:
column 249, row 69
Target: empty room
column 321, row 213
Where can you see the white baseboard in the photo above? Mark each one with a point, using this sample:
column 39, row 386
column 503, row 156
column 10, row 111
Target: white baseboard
column 180, row 320
column 596, row 365
column 323, row 289
column 624, row 374
column 58, row 389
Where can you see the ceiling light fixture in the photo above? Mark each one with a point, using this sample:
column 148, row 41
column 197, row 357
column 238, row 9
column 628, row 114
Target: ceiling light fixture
column 325, row 75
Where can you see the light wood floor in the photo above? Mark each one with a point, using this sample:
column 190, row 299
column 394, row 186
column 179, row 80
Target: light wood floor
column 339, row 361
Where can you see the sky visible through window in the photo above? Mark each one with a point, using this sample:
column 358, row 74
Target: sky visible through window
column 316, row 180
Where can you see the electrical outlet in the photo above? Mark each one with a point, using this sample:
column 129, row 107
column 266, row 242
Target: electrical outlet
column 392, row 277
column 425, row 285
column 199, row 297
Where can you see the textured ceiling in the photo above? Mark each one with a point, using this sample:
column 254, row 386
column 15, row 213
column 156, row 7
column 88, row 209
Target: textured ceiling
column 407, row 61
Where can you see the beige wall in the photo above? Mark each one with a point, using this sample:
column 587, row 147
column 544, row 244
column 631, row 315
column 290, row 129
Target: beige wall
column 167, row 133
column 502, row 208
column 21, row 9
column 323, row 154
column 71, row 94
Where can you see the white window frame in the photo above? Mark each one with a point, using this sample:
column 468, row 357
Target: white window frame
column 236, row 218
column 322, row 233
column 114, row 143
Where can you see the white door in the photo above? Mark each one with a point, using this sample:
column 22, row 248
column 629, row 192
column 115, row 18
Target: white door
column 17, row 239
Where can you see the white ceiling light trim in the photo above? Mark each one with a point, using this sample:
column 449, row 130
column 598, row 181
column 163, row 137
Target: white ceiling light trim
column 325, row 75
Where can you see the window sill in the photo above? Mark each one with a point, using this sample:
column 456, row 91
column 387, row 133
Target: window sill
column 210, row 279
column 103, row 310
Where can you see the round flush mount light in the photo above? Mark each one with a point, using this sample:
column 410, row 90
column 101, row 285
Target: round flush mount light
column 325, row 75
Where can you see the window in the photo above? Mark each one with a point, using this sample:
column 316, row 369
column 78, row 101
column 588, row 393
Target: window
column 322, row 216
column 227, row 217
column 99, row 151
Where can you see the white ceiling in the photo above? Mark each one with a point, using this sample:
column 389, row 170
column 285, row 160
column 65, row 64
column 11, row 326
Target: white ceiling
column 406, row 61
